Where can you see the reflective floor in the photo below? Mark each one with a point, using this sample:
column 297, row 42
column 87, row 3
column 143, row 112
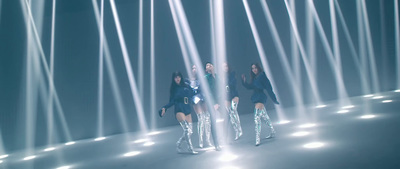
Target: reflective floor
column 365, row 135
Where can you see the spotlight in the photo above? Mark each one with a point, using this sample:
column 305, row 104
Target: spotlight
column 29, row 158
column 348, row 107
column 368, row 95
column 148, row 143
column 343, row 111
column 64, row 167
column 308, row 125
column 99, row 138
column 387, row 101
column 154, row 133
column 368, row 116
column 300, row 133
column 4, row 156
column 377, row 97
column 320, row 106
column 49, row 149
column 313, row 145
column 140, row 141
column 133, row 153
column 227, row 157
column 284, row 122
column 70, row 143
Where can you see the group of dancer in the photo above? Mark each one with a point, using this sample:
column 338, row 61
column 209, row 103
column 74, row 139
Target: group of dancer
column 188, row 93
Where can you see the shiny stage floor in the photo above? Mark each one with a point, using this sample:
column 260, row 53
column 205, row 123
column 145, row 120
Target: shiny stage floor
column 364, row 136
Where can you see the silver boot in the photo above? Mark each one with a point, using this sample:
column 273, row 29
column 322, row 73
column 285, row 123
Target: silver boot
column 269, row 124
column 257, row 121
column 200, row 128
column 235, row 120
column 187, row 132
column 207, row 126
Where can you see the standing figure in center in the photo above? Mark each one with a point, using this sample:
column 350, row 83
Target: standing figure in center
column 211, row 80
column 203, row 116
column 232, row 100
column 259, row 82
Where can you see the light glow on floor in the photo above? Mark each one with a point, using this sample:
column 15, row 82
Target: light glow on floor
column 4, row 156
column 284, row 122
column 300, row 133
column 387, row 101
column 343, row 111
column 308, row 125
column 314, row 145
column 227, row 157
column 49, row 149
column 99, row 139
column 70, row 143
column 29, row 158
column 368, row 116
column 133, row 153
column 148, row 143
column 320, row 106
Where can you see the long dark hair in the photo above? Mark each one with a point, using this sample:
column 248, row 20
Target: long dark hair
column 259, row 68
column 173, row 84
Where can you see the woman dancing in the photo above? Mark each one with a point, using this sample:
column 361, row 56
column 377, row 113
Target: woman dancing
column 232, row 100
column 203, row 116
column 258, row 83
column 179, row 96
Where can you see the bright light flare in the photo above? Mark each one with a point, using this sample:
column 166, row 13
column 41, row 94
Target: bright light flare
column 313, row 145
column 220, row 120
column 4, row 156
column 377, row 97
column 154, row 133
column 230, row 167
column 228, row 157
column 284, row 122
column 348, row 107
column 50, row 149
column 368, row 95
column 387, row 101
column 130, row 154
column 99, row 139
column 300, row 133
column 29, row 158
column 64, row 167
column 70, row 143
column 370, row 116
column 148, row 144
column 308, row 125
column 398, row 91
column 320, row 106
column 140, row 140
column 343, row 111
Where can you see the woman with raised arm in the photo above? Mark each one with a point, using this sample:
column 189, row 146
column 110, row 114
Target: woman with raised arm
column 259, row 82
column 179, row 97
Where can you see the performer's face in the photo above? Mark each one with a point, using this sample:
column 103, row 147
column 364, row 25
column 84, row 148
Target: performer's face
column 226, row 68
column 254, row 69
column 209, row 67
column 177, row 79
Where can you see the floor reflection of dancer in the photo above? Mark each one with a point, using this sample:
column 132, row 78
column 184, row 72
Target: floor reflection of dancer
column 203, row 116
column 232, row 100
column 211, row 80
column 258, row 83
column 179, row 97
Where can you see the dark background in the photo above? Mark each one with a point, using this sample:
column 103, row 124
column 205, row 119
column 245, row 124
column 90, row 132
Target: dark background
column 76, row 58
